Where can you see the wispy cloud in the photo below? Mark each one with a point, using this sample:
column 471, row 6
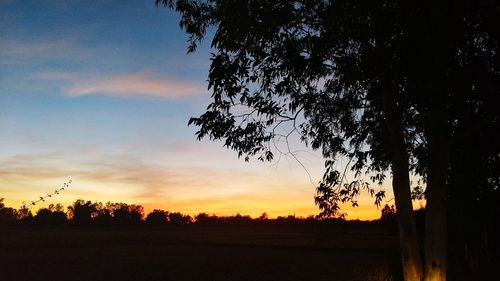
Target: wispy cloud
column 126, row 85
column 15, row 50
column 137, row 84
column 140, row 179
column 125, row 177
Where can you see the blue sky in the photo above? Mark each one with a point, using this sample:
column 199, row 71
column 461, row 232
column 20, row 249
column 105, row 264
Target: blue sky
column 100, row 92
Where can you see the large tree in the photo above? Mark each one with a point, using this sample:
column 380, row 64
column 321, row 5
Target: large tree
column 373, row 81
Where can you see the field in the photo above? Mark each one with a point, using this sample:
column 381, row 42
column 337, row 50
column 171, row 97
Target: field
column 198, row 253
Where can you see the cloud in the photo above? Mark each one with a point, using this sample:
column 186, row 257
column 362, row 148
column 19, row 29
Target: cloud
column 102, row 176
column 118, row 174
column 15, row 50
column 125, row 85
column 55, row 75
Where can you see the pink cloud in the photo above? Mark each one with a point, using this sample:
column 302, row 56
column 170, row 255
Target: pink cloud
column 136, row 84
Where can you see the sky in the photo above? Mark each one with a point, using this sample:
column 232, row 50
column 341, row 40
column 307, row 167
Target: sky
column 100, row 92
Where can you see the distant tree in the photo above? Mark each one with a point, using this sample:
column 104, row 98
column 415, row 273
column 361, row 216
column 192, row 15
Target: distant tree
column 56, row 208
column 82, row 212
column 104, row 214
column 24, row 214
column 124, row 214
column 52, row 215
column 7, row 215
column 387, row 84
column 239, row 219
column 157, row 217
column 206, row 219
column 43, row 216
column 288, row 220
column 388, row 213
column 179, row 219
column 263, row 217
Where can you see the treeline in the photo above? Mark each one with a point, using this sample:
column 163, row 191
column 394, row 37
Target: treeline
column 87, row 213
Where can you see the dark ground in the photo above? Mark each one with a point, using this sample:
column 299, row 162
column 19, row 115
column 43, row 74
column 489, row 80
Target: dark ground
column 198, row 253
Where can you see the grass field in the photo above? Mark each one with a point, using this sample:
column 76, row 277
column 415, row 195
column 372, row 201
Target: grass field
column 197, row 253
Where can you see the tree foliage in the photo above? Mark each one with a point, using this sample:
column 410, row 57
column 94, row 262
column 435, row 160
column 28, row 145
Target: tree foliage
column 293, row 65
column 82, row 212
column 388, row 213
column 157, row 217
column 7, row 215
column 389, row 85
column 177, row 218
column 315, row 65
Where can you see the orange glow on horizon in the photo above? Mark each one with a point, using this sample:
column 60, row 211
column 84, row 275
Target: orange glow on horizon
column 297, row 209
column 219, row 192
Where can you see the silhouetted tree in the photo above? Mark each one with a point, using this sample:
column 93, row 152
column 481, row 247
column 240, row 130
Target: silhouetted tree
column 7, row 215
column 24, row 214
column 43, row 216
column 263, row 217
column 384, row 83
column 157, row 217
column 206, row 219
column 238, row 219
column 124, row 214
column 82, row 212
column 52, row 215
column 104, row 214
column 388, row 213
column 179, row 219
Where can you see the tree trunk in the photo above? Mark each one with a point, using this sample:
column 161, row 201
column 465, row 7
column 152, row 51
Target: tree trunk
column 435, row 210
column 410, row 250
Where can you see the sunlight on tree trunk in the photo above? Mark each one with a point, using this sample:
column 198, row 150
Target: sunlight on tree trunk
column 410, row 252
column 435, row 225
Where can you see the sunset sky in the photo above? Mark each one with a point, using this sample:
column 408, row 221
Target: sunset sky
column 100, row 92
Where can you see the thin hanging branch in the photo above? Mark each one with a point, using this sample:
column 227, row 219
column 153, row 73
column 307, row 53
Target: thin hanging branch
column 42, row 198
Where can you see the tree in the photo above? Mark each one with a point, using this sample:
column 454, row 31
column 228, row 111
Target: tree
column 263, row 217
column 7, row 215
column 177, row 218
column 104, row 214
column 384, row 83
column 206, row 219
column 52, row 215
column 82, row 212
column 388, row 213
column 124, row 214
column 157, row 217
